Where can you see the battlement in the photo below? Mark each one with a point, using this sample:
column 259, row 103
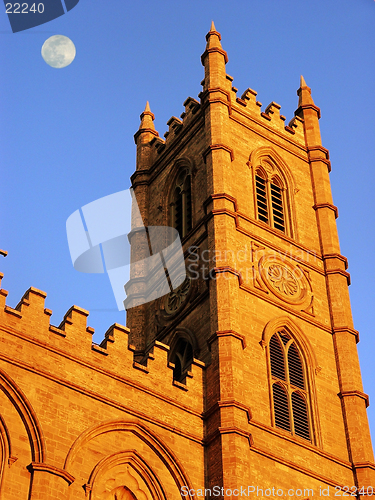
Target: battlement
column 71, row 343
column 176, row 126
column 246, row 105
column 271, row 115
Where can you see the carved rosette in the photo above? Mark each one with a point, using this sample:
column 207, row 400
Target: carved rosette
column 176, row 299
column 285, row 280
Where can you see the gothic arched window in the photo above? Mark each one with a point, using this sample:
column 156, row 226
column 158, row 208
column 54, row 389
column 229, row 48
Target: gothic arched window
column 182, row 358
column 290, row 398
column 270, row 200
column 181, row 207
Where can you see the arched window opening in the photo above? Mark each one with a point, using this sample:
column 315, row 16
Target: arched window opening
column 182, row 358
column 270, row 201
column 181, row 206
column 295, row 367
column 288, row 386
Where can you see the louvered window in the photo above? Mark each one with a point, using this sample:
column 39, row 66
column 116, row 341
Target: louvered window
column 280, row 406
column 261, row 199
column 270, row 201
column 181, row 205
column 300, row 417
column 277, row 207
column 289, row 390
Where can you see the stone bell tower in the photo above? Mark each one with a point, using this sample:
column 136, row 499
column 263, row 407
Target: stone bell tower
column 265, row 304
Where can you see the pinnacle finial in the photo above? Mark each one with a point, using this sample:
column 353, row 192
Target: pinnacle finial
column 213, row 37
column 304, row 93
column 147, row 118
column 305, row 99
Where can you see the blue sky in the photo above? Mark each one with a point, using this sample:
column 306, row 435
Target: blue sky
column 67, row 135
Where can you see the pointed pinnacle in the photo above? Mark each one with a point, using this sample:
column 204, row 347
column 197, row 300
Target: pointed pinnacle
column 304, row 93
column 147, row 119
column 213, row 37
column 304, row 97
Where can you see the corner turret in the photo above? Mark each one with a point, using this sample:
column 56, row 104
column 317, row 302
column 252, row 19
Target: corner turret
column 214, row 60
column 144, row 136
column 310, row 113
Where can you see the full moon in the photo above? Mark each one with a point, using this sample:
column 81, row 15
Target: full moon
column 58, row 51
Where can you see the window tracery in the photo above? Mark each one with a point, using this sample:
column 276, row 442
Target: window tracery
column 270, row 200
column 289, row 389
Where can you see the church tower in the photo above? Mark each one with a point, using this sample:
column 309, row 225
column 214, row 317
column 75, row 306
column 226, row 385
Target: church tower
column 265, row 304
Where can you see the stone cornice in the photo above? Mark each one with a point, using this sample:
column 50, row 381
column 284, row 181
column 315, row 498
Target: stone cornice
column 345, row 329
column 317, row 206
column 338, row 256
column 300, row 109
column 214, row 147
column 214, row 49
column 226, row 404
column 227, row 333
column 339, row 271
column 356, row 393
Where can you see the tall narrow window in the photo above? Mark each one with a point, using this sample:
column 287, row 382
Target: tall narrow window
column 280, row 407
column 277, row 207
column 270, row 200
column 181, row 207
column 290, row 399
column 261, row 189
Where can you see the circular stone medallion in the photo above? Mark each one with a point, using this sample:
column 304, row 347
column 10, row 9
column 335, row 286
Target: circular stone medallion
column 174, row 300
column 283, row 279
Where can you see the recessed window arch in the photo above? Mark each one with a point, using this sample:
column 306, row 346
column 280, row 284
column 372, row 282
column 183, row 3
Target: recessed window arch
column 289, row 386
column 181, row 203
column 271, row 200
column 273, row 188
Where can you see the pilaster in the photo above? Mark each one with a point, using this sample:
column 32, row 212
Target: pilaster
column 354, row 401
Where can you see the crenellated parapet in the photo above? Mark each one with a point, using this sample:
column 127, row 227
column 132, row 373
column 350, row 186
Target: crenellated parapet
column 71, row 340
column 177, row 129
column 271, row 116
column 191, row 108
